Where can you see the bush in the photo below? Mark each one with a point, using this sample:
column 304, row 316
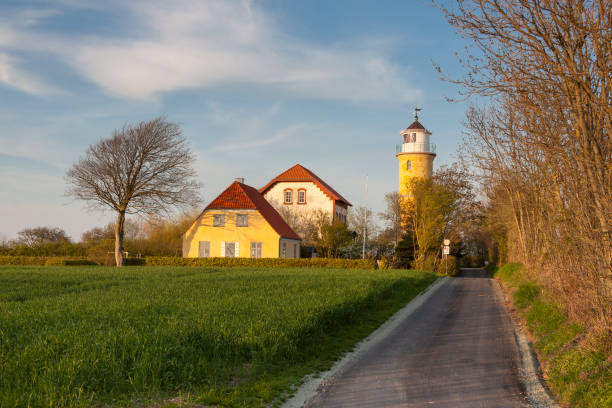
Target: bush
column 134, row 261
column 262, row 262
column 491, row 268
column 200, row 262
column 22, row 260
column 451, row 267
column 59, row 249
column 44, row 260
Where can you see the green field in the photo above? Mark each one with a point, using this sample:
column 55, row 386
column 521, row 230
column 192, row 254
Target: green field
column 144, row 336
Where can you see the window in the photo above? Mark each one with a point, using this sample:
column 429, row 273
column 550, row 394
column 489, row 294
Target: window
column 413, row 138
column 295, row 250
column 301, row 196
column 284, row 250
column 230, row 250
column 408, row 165
column 204, row 249
column 255, row 249
column 219, row 220
column 288, row 196
column 242, row 220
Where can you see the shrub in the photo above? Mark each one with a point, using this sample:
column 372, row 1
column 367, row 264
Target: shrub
column 134, row 261
column 262, row 262
column 449, row 267
column 44, row 260
column 22, row 260
column 491, row 268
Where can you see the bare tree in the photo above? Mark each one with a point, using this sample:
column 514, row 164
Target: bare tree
column 392, row 216
column 41, row 235
column 145, row 168
column 543, row 149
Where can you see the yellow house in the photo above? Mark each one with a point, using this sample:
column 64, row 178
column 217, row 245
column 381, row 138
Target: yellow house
column 415, row 155
column 240, row 223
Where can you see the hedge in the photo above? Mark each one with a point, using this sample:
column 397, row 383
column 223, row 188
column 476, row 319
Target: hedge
column 44, row 260
column 201, row 262
column 262, row 262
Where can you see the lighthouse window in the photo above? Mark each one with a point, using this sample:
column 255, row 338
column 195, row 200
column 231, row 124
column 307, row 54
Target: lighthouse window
column 408, row 165
column 413, row 138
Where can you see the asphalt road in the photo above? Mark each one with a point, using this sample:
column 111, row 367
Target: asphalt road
column 457, row 350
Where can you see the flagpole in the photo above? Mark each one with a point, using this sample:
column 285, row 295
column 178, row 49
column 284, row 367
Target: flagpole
column 365, row 221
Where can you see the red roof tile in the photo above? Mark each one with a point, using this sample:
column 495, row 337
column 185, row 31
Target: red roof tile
column 233, row 197
column 300, row 173
column 242, row 197
column 416, row 125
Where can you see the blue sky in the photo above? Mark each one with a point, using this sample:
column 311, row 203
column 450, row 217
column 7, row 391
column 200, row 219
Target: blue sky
column 255, row 86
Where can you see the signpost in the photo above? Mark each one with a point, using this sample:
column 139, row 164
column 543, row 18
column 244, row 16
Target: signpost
column 445, row 253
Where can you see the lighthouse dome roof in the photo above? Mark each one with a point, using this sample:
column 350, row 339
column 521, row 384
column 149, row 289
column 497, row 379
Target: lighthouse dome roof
column 416, row 125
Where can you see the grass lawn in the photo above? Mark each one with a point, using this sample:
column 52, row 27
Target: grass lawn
column 160, row 336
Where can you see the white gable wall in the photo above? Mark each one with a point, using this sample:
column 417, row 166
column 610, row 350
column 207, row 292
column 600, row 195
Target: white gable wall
column 316, row 199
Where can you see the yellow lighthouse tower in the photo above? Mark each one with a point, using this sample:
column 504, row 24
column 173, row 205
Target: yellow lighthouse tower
column 415, row 155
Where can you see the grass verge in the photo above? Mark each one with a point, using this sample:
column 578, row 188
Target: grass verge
column 576, row 368
column 164, row 336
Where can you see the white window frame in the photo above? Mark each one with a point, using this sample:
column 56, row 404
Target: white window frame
column 301, row 196
column 256, row 249
column 236, row 249
column 290, row 196
column 205, row 247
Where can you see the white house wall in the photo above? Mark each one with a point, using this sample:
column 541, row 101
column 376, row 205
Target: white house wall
column 316, row 199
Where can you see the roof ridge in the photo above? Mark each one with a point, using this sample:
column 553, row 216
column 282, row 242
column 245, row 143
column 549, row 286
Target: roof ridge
column 249, row 198
column 218, row 201
column 311, row 176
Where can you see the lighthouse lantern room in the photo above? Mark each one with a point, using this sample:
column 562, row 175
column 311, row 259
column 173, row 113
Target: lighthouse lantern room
column 415, row 155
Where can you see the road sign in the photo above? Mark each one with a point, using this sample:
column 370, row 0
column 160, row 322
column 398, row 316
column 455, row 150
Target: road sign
column 446, row 250
column 446, row 242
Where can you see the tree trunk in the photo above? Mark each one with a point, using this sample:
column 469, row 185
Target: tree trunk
column 119, row 238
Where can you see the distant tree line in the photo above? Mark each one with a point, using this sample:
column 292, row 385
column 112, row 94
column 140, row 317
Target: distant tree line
column 143, row 237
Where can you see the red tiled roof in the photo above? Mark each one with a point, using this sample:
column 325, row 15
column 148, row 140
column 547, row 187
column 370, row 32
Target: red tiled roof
column 300, row 173
column 240, row 196
column 233, row 197
column 416, row 125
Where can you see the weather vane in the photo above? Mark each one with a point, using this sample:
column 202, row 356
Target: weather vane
column 416, row 113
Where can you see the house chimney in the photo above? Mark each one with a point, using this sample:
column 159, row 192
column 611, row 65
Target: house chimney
column 240, row 180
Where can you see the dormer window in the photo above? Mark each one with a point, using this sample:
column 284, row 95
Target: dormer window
column 288, row 196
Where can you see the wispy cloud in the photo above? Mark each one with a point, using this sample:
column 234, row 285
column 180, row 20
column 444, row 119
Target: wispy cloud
column 252, row 143
column 199, row 45
column 13, row 75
